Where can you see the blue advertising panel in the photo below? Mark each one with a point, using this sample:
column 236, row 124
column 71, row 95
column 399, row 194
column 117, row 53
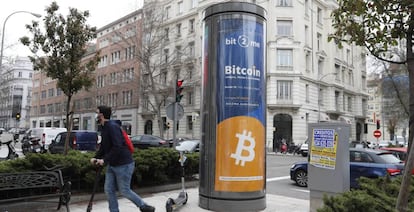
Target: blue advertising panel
column 241, row 105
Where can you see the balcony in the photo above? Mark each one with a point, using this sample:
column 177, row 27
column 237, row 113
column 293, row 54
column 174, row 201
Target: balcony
column 284, row 104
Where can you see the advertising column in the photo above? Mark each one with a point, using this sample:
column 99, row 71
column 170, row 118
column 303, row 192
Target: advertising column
column 233, row 159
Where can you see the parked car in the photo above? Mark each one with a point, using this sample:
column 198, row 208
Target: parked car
column 384, row 143
column 179, row 139
column 46, row 135
column 304, row 148
column 188, row 146
column 363, row 163
column 82, row 140
column 399, row 152
column 146, row 141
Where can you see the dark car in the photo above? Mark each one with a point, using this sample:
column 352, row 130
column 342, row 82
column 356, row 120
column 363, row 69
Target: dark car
column 82, row 140
column 146, row 141
column 363, row 163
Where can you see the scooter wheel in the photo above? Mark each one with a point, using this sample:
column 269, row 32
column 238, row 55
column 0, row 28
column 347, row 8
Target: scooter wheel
column 186, row 198
column 169, row 205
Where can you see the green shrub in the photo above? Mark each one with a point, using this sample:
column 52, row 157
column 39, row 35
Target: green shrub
column 379, row 194
column 154, row 166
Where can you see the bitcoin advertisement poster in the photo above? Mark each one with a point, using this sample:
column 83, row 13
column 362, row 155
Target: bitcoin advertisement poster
column 323, row 148
column 241, row 106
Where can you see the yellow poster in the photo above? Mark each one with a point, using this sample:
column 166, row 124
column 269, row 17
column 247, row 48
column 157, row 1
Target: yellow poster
column 323, row 148
column 239, row 155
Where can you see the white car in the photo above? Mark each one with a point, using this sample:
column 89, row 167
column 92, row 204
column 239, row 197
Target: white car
column 304, row 148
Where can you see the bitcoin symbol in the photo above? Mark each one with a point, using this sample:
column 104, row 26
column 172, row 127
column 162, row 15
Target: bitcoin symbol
column 244, row 138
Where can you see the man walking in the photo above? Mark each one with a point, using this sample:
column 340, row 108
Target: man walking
column 114, row 153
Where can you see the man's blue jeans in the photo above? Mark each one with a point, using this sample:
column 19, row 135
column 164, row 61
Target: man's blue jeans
column 119, row 177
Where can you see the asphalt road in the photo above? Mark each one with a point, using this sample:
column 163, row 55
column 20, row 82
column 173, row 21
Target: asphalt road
column 278, row 178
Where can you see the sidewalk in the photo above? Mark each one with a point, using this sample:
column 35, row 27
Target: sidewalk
column 158, row 200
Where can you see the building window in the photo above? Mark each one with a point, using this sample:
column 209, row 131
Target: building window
column 284, row 58
column 178, row 52
column 189, row 98
column 284, row 90
column 319, row 15
column 193, row 3
column 191, row 26
column 320, row 67
column 284, row 3
column 180, row 7
column 166, row 53
column 348, row 57
column 319, row 41
column 58, row 92
column 350, row 104
column 308, row 61
column 127, row 97
column 20, row 74
column 167, row 12
column 284, row 27
column 306, row 7
column 306, row 35
column 112, row 99
column 42, row 109
column 189, row 123
column 113, row 78
column 191, row 50
column 129, row 53
column 51, row 92
column 307, row 93
column 43, row 94
column 178, row 30
column 337, row 72
column 50, row 108
column 166, row 33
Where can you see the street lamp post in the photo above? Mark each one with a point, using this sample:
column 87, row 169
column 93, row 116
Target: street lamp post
column 4, row 28
column 319, row 93
column 2, row 48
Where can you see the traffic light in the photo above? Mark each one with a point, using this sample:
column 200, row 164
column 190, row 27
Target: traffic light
column 166, row 125
column 17, row 116
column 378, row 124
column 178, row 90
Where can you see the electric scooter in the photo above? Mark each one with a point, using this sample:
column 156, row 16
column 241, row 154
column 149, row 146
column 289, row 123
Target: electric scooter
column 182, row 196
column 8, row 153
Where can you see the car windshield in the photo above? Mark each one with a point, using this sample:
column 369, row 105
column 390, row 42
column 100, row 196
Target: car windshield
column 389, row 158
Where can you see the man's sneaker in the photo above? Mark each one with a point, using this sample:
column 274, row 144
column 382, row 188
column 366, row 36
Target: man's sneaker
column 147, row 208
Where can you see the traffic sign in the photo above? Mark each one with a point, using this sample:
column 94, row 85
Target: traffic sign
column 377, row 133
column 170, row 111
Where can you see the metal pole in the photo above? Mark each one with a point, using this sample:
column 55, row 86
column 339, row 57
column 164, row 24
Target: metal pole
column 319, row 94
column 175, row 115
column 4, row 29
column 2, row 48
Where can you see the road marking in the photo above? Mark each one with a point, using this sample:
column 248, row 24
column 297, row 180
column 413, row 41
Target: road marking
column 302, row 190
column 277, row 178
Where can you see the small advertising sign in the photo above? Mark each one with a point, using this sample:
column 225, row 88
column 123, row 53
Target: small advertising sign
column 323, row 148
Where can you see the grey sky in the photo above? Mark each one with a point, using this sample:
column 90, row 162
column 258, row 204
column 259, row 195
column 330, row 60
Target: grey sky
column 102, row 12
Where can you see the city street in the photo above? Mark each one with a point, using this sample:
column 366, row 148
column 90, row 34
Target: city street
column 278, row 179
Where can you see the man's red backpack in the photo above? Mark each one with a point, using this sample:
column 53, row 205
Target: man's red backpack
column 128, row 141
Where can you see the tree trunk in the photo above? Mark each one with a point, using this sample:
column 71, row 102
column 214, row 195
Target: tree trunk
column 403, row 195
column 69, row 116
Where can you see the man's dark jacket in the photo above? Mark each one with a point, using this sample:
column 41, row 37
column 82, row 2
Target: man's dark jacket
column 113, row 148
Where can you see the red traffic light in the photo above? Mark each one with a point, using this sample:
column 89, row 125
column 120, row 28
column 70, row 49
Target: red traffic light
column 179, row 83
column 179, row 90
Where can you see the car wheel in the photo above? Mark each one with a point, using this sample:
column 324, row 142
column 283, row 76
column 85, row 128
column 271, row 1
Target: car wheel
column 304, row 154
column 301, row 178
